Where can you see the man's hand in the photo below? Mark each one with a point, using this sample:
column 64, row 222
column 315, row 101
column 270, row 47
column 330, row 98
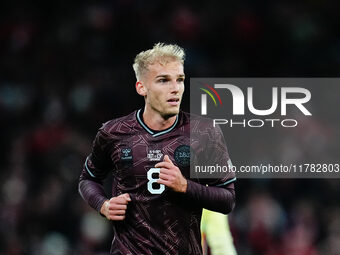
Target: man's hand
column 114, row 209
column 171, row 176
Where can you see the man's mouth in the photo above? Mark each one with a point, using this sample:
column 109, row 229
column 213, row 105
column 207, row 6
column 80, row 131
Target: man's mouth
column 173, row 101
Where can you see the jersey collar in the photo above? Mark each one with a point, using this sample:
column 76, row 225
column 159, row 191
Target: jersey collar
column 154, row 133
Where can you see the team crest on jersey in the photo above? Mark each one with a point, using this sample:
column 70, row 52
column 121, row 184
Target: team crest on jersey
column 126, row 154
column 182, row 155
column 155, row 155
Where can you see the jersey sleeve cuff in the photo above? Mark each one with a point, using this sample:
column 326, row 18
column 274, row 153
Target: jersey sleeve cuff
column 192, row 189
column 99, row 204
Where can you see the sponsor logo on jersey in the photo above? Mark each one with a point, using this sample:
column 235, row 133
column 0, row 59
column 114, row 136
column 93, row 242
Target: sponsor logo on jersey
column 155, row 155
column 126, row 154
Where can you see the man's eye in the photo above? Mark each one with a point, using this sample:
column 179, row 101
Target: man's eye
column 180, row 80
column 162, row 80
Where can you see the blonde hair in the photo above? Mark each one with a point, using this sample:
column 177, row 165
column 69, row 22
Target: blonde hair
column 161, row 53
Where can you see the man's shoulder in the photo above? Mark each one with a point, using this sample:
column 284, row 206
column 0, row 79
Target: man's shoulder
column 188, row 116
column 202, row 127
column 195, row 119
column 120, row 124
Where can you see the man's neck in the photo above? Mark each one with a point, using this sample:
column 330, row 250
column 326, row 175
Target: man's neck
column 155, row 121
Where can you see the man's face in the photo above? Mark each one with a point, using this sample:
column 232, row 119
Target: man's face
column 164, row 87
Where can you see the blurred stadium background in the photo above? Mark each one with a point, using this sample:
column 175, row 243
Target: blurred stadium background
column 65, row 68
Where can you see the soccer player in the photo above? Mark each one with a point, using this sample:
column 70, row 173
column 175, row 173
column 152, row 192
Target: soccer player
column 216, row 234
column 155, row 206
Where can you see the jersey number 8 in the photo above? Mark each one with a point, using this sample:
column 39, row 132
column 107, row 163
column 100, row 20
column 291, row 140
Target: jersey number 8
column 153, row 180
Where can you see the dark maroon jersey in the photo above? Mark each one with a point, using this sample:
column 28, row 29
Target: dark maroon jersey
column 158, row 220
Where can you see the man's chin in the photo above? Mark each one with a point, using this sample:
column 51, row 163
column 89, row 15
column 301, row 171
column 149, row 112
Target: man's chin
column 170, row 113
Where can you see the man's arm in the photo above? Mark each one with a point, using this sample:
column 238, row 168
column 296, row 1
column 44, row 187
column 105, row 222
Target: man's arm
column 92, row 190
column 219, row 198
column 95, row 169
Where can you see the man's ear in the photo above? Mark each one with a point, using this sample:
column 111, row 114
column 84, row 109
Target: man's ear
column 140, row 88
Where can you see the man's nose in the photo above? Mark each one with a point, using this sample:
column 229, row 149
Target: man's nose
column 174, row 86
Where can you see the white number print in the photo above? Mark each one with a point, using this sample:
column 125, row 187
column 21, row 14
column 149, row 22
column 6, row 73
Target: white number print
column 152, row 180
